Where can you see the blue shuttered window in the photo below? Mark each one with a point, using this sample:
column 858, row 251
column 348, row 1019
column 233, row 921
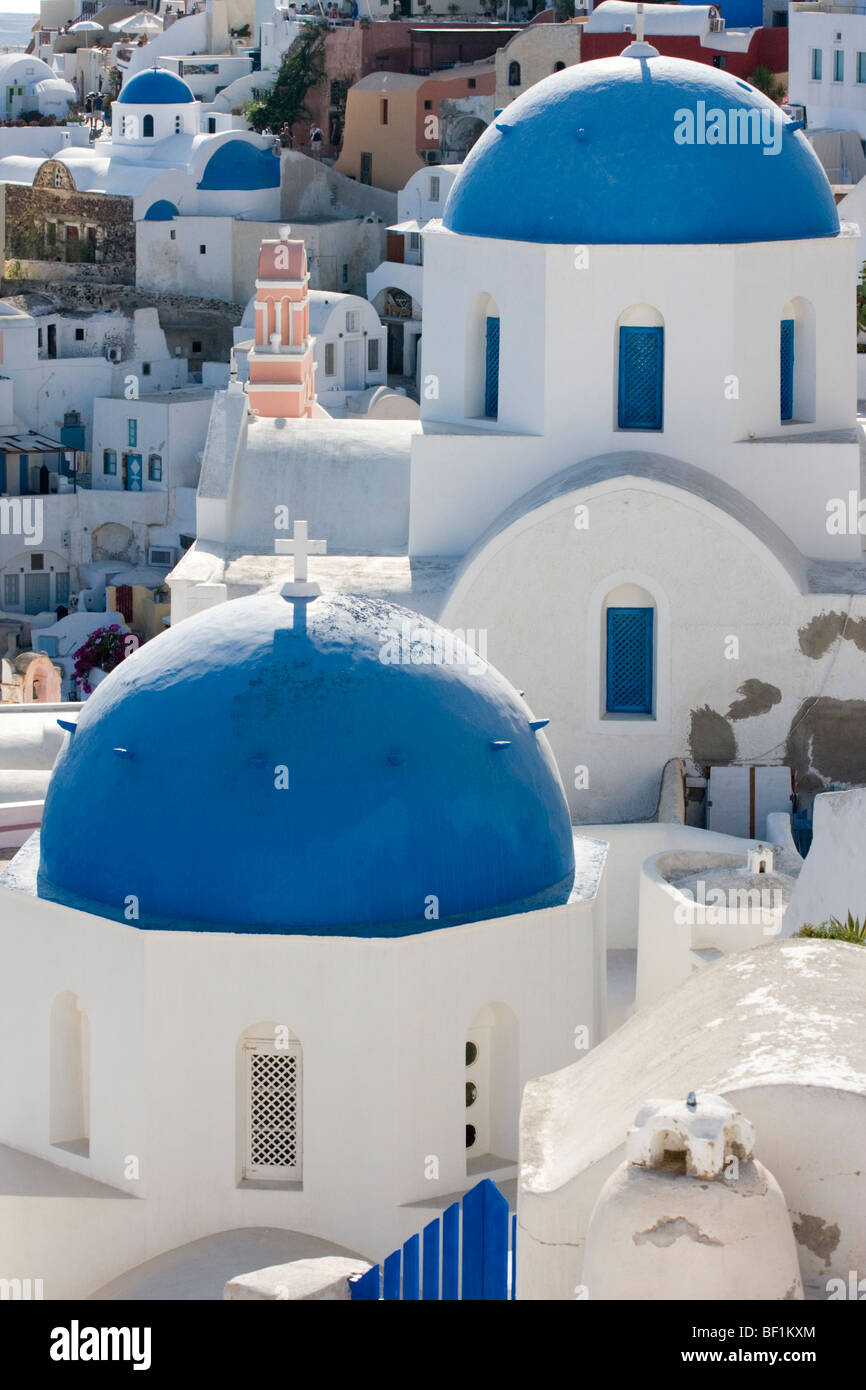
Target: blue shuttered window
column 629, row 660
column 641, row 378
column 23, row 473
column 491, row 372
column 2, row 472
column 786, row 370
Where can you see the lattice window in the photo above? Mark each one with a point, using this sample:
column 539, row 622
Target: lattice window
column 273, row 1111
column 641, row 378
column 491, row 373
column 786, row 369
column 629, row 660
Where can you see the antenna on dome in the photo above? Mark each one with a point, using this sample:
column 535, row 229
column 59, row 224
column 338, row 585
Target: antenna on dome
column 640, row 21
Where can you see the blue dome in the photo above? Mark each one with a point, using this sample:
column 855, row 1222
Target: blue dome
column 239, row 164
column 155, row 87
column 407, row 780
column 589, row 156
column 161, row 211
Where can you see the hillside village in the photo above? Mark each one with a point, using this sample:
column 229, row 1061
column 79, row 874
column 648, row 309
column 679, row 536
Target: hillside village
column 432, row 638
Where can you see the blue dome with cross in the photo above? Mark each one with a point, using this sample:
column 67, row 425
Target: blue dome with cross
column 155, row 87
column 642, row 150
column 323, row 765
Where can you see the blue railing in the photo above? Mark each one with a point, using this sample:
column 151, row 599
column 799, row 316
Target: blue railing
column 468, row 1255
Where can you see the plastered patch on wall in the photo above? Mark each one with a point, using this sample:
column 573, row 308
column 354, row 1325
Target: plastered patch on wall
column 758, row 698
column 819, row 634
column 827, row 742
column 711, row 739
column 817, row 1236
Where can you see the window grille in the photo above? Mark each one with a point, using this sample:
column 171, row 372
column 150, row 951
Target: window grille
column 641, row 378
column 491, row 375
column 786, row 370
column 629, row 661
column 273, row 1088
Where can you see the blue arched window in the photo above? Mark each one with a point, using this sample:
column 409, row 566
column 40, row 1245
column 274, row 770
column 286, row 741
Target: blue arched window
column 147, row 127
column 640, row 395
column 629, row 661
column 491, row 369
column 514, row 74
column 786, row 369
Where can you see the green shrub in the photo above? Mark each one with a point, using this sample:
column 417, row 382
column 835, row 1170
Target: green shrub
column 302, row 67
column 837, row 930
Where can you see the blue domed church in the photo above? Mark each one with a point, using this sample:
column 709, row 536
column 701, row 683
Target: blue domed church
column 163, row 155
column 637, row 468
column 305, row 913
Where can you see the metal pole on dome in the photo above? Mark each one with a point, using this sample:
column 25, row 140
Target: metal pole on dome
column 640, row 21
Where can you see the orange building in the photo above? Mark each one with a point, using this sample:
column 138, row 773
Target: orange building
column 282, row 373
column 397, row 122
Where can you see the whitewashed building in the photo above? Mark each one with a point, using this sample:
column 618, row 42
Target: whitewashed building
column 349, row 348
column 396, row 286
column 601, row 372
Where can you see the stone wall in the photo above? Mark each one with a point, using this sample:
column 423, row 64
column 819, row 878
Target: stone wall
column 32, row 212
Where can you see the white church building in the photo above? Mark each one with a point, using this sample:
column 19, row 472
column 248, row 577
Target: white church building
column 637, row 468
column 158, row 154
column 350, row 921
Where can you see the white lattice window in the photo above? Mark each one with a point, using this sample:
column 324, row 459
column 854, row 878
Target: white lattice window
column 272, row 1084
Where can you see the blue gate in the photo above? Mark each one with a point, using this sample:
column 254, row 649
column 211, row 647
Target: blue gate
column 473, row 1258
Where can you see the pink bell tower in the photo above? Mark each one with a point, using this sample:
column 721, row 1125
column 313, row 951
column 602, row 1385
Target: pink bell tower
column 282, row 371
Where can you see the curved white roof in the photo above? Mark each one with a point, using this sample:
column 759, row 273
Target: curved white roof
column 9, row 61
column 610, row 16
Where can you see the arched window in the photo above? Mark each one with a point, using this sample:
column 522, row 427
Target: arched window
column 482, row 358
column 69, row 1080
column 270, row 1119
column 154, row 468
column 629, row 635
column 491, row 1084
column 514, row 74
column 640, row 369
column 558, row 67
column 147, row 127
column 797, row 362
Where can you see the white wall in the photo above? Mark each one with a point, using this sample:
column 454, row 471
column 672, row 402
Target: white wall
column 537, row 589
column 832, row 882
column 553, row 414
column 175, row 430
column 414, row 201
column 837, row 105
column 383, row 1035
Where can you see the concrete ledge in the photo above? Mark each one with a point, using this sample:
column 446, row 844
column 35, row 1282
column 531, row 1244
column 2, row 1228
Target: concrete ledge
column 325, row 1278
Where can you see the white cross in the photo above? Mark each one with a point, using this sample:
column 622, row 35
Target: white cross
column 301, row 547
column 640, row 22
column 299, row 589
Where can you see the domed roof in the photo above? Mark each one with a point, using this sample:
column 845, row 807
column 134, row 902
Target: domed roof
column 155, row 87
column 409, row 781
column 592, row 155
